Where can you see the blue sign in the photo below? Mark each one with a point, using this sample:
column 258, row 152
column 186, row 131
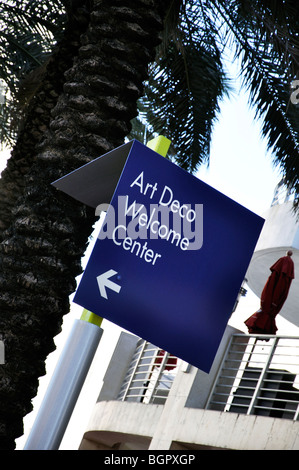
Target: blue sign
column 170, row 257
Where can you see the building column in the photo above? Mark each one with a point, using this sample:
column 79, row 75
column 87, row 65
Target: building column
column 174, row 406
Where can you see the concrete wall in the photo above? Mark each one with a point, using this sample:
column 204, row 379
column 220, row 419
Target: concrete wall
column 126, row 425
column 118, row 366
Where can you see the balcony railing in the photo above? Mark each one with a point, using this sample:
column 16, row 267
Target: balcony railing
column 150, row 375
column 259, row 375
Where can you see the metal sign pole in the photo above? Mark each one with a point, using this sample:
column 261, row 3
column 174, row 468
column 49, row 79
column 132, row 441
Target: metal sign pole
column 66, row 384
column 72, row 368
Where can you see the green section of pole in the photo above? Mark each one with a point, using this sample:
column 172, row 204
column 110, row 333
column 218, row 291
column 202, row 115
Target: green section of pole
column 160, row 145
column 91, row 318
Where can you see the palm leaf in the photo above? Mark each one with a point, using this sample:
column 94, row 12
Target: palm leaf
column 265, row 35
column 29, row 29
column 186, row 84
column 182, row 102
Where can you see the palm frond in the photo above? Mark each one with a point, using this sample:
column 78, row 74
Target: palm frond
column 265, row 34
column 186, row 84
column 29, row 29
column 182, row 102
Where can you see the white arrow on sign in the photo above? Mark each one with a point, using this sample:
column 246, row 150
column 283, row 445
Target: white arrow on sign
column 105, row 282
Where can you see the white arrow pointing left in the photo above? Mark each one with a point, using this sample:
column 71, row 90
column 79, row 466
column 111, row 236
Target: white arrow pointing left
column 104, row 282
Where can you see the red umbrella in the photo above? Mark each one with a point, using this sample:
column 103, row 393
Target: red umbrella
column 171, row 362
column 273, row 297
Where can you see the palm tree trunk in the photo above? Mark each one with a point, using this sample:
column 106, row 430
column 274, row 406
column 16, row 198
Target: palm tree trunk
column 38, row 94
column 40, row 255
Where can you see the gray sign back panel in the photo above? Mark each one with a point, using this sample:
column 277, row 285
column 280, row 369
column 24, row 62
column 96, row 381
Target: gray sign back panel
column 95, row 182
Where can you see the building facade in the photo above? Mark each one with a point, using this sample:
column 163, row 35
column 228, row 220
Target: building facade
column 151, row 401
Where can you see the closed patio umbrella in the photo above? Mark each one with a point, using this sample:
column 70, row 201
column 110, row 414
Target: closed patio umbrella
column 273, row 296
